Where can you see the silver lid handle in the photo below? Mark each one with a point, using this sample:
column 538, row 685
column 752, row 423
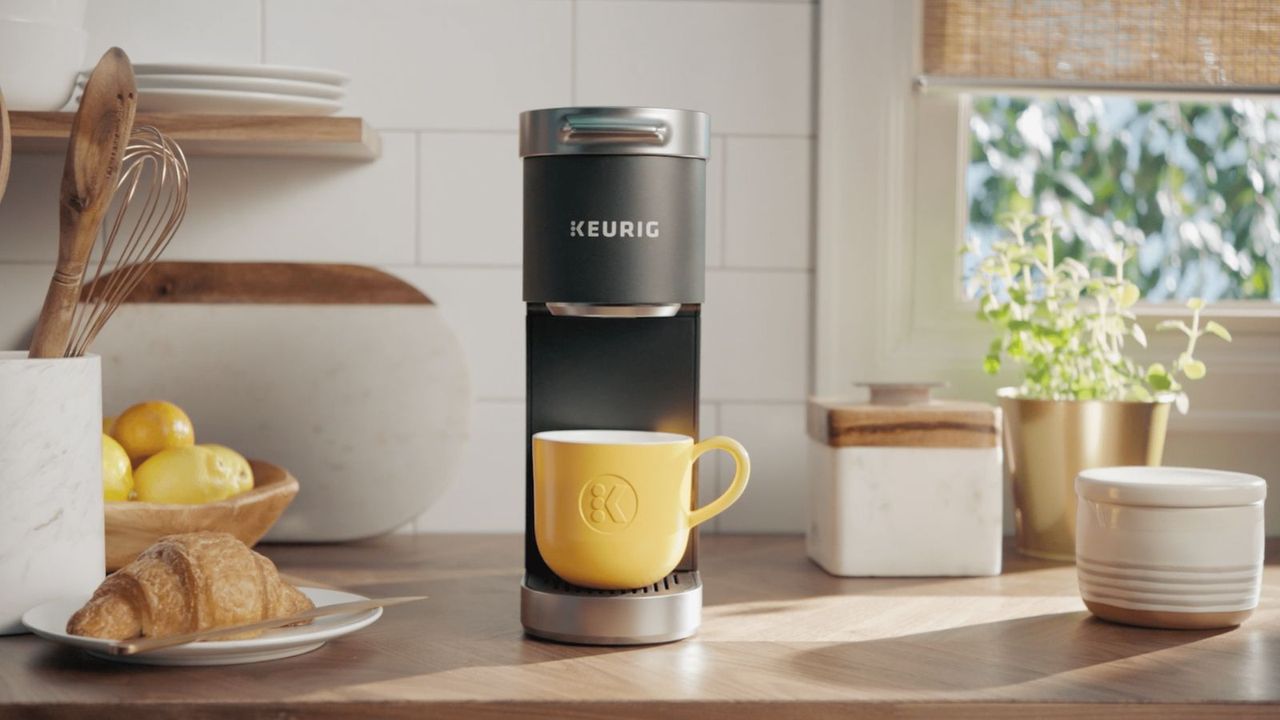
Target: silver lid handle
column 588, row 130
column 614, row 131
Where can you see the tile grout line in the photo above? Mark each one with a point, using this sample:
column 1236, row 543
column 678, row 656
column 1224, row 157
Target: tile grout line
column 718, row 403
column 715, row 527
column 417, row 199
column 514, row 131
column 724, row 203
column 738, row 270
column 721, row 402
column 573, row 52
column 797, row 3
column 262, row 31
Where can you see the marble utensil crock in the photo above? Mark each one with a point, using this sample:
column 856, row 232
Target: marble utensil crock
column 51, row 534
column 1169, row 547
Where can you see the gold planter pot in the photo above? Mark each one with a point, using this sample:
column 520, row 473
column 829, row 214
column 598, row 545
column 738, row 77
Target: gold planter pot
column 1048, row 442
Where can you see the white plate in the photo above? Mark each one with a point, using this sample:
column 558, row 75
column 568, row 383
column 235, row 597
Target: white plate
column 229, row 102
column 240, row 84
column 276, row 72
column 50, row 621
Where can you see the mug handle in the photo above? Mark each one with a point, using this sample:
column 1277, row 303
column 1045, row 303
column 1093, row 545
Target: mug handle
column 742, row 471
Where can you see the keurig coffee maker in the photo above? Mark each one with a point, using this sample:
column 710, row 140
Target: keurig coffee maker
column 614, row 223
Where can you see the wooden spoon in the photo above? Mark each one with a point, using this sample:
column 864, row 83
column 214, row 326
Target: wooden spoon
column 99, row 135
column 6, row 146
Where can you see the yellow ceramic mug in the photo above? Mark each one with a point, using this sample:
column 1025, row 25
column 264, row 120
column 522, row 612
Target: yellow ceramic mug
column 612, row 508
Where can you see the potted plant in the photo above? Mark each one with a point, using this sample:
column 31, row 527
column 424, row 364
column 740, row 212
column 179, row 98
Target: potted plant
column 1083, row 402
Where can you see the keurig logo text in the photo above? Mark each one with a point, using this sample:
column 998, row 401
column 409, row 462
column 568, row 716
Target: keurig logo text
column 613, row 228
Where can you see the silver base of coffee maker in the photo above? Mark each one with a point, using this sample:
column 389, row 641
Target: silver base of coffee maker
column 663, row 612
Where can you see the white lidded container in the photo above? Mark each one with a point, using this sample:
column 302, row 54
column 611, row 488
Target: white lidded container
column 905, row 486
column 1170, row 547
column 51, row 522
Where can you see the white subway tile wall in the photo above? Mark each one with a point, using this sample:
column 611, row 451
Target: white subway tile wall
column 316, row 211
column 444, row 80
column 464, row 217
column 768, row 213
column 437, row 64
column 748, row 64
column 156, row 31
column 777, row 497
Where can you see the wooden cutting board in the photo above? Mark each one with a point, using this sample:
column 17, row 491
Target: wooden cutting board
column 346, row 376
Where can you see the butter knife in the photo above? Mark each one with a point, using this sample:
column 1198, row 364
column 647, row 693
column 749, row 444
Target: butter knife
column 142, row 645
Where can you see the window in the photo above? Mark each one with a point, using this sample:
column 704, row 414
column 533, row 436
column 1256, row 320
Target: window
column 1186, row 191
column 896, row 195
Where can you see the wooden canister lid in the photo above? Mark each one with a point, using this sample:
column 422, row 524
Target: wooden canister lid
column 916, row 421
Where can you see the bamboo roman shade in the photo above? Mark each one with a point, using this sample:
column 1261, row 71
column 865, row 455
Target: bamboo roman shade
column 1160, row 43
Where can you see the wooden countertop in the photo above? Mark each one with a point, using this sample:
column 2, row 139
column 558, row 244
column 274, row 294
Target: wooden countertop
column 780, row 639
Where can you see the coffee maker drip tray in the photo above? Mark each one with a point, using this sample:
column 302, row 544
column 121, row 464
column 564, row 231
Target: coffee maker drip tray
column 668, row 610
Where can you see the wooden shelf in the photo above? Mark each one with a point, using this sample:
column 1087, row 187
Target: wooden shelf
column 221, row 135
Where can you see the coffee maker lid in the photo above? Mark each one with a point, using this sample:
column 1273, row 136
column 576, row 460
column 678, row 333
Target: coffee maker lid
column 615, row 131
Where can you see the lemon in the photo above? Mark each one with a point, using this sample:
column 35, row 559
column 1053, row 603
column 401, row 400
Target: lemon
column 184, row 475
column 147, row 428
column 117, row 473
column 108, row 422
column 235, row 464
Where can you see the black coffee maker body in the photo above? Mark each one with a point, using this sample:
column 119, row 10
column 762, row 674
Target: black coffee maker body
column 614, row 266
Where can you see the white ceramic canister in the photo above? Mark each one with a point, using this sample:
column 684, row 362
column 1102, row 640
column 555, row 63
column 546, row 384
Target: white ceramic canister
column 51, row 522
column 905, row 486
column 1170, row 547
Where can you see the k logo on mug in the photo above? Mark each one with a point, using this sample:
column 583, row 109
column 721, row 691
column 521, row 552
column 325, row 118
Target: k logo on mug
column 608, row 503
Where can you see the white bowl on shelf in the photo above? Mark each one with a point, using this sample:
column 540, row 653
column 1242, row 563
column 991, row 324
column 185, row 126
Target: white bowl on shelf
column 1169, row 547
column 39, row 62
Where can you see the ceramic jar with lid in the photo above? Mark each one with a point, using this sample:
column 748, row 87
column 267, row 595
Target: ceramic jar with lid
column 1169, row 547
column 905, row 485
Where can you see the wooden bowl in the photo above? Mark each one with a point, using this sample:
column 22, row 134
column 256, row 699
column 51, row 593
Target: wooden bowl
column 133, row 526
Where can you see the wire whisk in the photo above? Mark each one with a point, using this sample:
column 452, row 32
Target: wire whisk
column 148, row 205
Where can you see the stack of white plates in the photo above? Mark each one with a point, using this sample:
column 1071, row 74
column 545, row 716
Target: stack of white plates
column 238, row 89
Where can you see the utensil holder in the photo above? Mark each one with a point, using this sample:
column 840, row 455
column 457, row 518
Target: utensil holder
column 51, row 521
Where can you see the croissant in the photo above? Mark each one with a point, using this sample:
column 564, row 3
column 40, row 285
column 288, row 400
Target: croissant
column 185, row 583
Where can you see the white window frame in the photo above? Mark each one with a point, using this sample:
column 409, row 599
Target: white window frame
column 891, row 208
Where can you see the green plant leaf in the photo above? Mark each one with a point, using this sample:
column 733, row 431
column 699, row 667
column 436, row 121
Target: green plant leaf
column 1217, row 329
column 1173, row 325
column 1194, row 369
column 991, row 364
column 1129, row 294
column 1158, row 378
column 1139, row 335
column 1195, row 304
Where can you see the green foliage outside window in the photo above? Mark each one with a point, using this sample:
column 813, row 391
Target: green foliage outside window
column 1190, row 191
